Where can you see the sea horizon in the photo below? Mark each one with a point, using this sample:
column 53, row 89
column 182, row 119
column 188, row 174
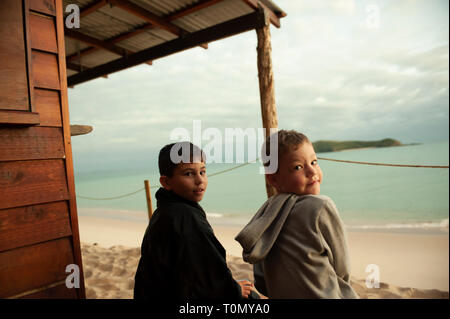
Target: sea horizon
column 369, row 198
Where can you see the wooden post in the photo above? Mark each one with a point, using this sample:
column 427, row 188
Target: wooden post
column 68, row 143
column 149, row 199
column 266, row 83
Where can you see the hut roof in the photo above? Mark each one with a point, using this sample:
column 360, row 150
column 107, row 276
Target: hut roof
column 117, row 34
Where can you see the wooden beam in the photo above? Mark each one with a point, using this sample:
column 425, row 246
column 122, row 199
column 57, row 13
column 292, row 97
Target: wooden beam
column 92, row 7
column 151, row 18
column 112, row 40
column 84, row 12
column 266, row 84
column 68, row 162
column 273, row 17
column 138, row 30
column 147, row 16
column 11, row 117
column 81, row 68
column 130, row 34
column 76, row 130
column 76, row 67
column 95, row 42
column 109, row 42
column 192, row 8
column 86, row 51
column 223, row 30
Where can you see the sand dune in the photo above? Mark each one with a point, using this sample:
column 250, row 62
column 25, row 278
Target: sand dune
column 109, row 273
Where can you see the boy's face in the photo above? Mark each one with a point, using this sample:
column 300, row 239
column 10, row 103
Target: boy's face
column 189, row 181
column 298, row 172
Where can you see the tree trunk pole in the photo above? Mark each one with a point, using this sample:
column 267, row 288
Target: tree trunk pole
column 266, row 84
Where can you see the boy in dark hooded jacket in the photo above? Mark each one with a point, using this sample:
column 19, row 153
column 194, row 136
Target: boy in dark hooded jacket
column 181, row 257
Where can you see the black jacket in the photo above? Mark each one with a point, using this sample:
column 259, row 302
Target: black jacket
column 181, row 257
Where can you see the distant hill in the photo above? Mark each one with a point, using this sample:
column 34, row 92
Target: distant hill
column 334, row 146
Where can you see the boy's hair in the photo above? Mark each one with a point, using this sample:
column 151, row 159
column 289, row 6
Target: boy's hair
column 167, row 165
column 287, row 140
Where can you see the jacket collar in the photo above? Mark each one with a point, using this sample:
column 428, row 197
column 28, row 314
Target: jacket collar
column 165, row 196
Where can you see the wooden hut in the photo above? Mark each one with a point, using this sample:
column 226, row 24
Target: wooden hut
column 39, row 57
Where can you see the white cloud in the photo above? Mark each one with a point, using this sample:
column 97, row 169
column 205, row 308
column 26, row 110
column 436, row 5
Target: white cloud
column 334, row 78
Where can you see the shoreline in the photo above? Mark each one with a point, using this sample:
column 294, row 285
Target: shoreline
column 239, row 221
column 418, row 260
column 432, row 228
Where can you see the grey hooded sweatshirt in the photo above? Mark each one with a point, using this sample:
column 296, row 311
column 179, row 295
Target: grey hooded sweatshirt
column 298, row 247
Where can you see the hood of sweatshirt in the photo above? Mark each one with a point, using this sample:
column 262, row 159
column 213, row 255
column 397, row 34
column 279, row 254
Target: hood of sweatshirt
column 259, row 235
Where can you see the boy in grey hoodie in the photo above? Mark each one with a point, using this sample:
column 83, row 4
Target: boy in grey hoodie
column 296, row 240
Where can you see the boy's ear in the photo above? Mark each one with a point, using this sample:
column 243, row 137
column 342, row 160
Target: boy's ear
column 164, row 180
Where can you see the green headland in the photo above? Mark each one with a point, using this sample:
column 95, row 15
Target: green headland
column 334, row 146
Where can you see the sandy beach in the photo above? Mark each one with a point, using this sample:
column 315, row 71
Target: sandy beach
column 411, row 265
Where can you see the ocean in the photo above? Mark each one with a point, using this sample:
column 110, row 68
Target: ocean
column 367, row 197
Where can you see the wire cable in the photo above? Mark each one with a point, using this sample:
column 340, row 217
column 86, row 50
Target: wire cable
column 244, row 164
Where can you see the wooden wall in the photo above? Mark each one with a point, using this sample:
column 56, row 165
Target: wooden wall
column 39, row 233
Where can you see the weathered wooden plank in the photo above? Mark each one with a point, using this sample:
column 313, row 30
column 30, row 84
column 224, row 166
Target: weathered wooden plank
column 95, row 42
column 31, row 267
column 45, row 70
column 13, row 117
column 257, row 5
column 32, row 182
column 68, row 147
column 43, row 33
column 14, row 94
column 76, row 129
column 30, row 225
column 48, row 106
column 26, row 25
column 30, row 143
column 92, row 7
column 43, row 6
column 55, row 292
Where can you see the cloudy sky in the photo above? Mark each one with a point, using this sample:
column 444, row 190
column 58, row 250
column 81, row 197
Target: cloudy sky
column 344, row 70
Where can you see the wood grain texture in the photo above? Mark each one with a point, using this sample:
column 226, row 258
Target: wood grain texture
column 266, row 86
column 43, row 6
column 48, row 106
column 81, row 293
column 45, row 70
column 259, row 5
column 30, row 143
column 25, row 183
column 56, row 292
column 26, row 21
column 14, row 94
column 31, row 267
column 12, row 117
column 76, row 129
column 43, row 33
column 30, row 225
